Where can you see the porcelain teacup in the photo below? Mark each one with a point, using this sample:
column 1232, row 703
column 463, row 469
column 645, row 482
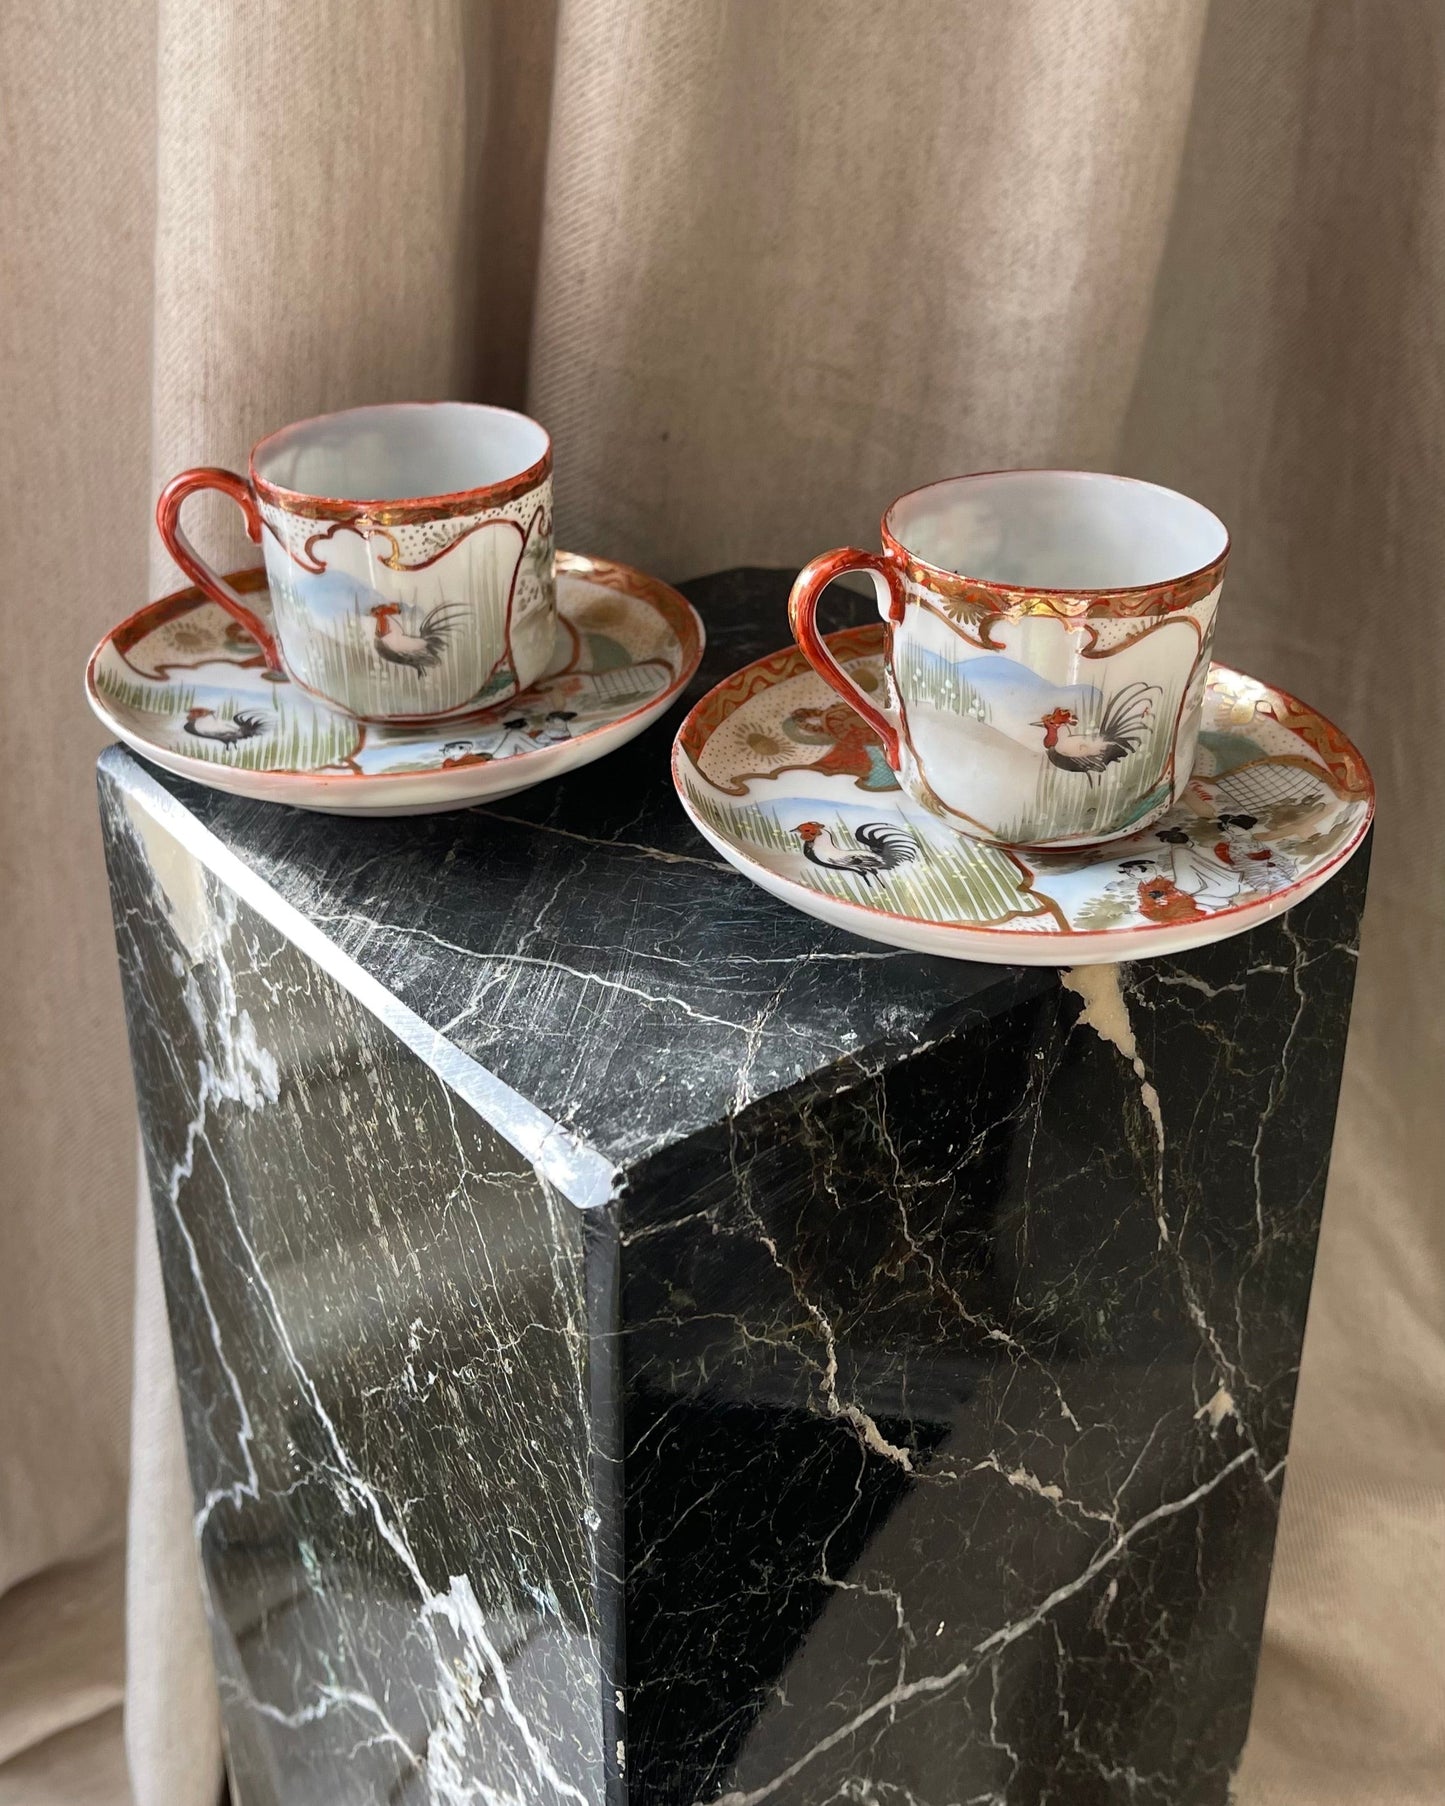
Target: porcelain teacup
column 1048, row 649
column 408, row 555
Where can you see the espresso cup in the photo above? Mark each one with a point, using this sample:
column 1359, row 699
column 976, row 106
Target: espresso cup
column 408, row 555
column 1048, row 649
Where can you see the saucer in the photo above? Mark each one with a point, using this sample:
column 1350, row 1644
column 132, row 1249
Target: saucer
column 791, row 787
column 184, row 686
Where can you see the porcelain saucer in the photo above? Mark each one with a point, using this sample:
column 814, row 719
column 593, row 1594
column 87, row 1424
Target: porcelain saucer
column 183, row 685
column 791, row 787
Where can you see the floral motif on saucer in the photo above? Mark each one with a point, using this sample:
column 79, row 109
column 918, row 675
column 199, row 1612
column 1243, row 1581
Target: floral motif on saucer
column 183, row 685
column 792, row 788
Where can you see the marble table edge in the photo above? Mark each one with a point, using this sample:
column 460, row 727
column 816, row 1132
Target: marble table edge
column 562, row 1157
column 584, row 1176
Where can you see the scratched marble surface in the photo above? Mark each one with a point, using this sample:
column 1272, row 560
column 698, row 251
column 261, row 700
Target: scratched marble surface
column 637, row 1343
column 584, row 944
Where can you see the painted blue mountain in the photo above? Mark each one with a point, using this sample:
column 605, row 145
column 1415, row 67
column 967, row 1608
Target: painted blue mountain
column 1013, row 690
column 991, row 689
column 334, row 593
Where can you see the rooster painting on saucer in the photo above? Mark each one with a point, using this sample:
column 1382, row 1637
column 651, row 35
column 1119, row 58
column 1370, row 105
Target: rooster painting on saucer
column 878, row 849
column 1125, row 725
column 224, row 730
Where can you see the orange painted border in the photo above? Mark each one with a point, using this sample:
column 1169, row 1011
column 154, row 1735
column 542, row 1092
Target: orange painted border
column 977, row 598
column 415, row 510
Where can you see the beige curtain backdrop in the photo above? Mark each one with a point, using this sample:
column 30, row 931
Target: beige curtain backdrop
column 758, row 264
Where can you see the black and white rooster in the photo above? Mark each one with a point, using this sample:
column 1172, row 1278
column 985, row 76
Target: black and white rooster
column 224, row 730
column 420, row 651
column 880, row 848
column 1125, row 723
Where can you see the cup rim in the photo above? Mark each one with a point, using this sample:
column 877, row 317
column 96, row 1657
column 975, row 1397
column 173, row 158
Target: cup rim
column 1192, row 584
column 408, row 510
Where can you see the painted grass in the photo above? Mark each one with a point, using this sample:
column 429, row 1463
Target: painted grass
column 921, row 679
column 971, row 883
column 1068, row 802
column 1103, row 911
column 347, row 664
column 142, row 697
column 298, row 736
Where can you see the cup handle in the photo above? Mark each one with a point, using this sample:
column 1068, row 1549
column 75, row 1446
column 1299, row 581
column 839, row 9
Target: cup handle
column 812, row 580
column 168, row 519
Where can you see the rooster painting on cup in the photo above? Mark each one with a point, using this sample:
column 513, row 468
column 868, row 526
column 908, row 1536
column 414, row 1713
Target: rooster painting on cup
column 1125, row 724
column 420, row 650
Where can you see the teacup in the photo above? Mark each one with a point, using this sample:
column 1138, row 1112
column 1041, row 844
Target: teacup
column 408, row 555
column 1048, row 649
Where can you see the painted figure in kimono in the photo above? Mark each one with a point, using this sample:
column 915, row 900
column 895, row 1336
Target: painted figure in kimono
column 502, row 741
column 1153, row 893
column 1198, row 872
column 554, row 729
column 457, row 753
column 854, row 749
column 1260, row 867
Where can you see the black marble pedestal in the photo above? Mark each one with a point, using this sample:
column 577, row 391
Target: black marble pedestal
column 639, row 1344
